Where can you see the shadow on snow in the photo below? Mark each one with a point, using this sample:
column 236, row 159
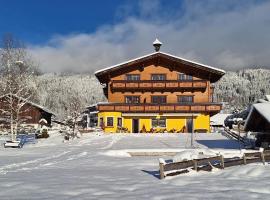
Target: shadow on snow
column 220, row 144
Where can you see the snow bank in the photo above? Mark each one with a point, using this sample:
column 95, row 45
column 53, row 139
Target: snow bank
column 191, row 154
column 116, row 153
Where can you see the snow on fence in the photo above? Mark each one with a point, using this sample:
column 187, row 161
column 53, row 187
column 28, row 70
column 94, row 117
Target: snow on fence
column 207, row 164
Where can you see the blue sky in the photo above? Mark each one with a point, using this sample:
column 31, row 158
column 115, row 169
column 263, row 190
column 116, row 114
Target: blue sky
column 36, row 21
column 86, row 35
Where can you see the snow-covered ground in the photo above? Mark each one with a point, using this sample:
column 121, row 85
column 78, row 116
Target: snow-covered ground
column 97, row 166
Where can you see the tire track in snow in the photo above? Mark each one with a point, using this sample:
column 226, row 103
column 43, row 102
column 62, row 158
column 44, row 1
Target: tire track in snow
column 114, row 140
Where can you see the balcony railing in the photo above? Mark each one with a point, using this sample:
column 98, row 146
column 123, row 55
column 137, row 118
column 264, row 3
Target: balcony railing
column 161, row 108
column 163, row 85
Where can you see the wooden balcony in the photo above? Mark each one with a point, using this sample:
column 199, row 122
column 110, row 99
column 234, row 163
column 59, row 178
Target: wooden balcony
column 164, row 85
column 161, row 108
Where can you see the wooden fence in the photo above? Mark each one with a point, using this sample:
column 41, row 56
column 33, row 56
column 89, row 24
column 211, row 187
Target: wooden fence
column 207, row 164
column 233, row 135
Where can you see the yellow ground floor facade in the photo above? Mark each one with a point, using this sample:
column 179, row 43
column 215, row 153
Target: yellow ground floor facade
column 115, row 122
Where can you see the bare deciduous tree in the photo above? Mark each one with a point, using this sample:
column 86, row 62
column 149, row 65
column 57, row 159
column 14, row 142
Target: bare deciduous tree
column 17, row 81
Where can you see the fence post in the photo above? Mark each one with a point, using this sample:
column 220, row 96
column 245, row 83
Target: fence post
column 195, row 165
column 222, row 162
column 262, row 155
column 161, row 168
column 244, row 159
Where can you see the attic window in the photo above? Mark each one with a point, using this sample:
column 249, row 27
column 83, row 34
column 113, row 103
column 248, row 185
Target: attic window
column 158, row 77
column 133, row 77
column 184, row 77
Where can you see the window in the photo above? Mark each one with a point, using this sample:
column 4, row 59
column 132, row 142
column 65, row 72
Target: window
column 133, row 77
column 184, row 77
column 101, row 122
column 158, row 77
column 159, row 99
column 185, row 99
column 119, row 122
column 159, row 123
column 109, row 121
column 132, row 99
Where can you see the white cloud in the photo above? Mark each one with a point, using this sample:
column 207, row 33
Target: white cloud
column 229, row 36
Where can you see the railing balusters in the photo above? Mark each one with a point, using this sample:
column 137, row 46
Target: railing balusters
column 193, row 107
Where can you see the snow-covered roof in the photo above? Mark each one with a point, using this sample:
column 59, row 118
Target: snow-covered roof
column 32, row 103
column 161, row 53
column 218, row 119
column 96, row 104
column 263, row 110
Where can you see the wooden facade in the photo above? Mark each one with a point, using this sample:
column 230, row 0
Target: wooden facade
column 159, row 83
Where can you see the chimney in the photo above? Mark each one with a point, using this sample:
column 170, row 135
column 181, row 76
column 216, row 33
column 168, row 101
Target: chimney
column 157, row 44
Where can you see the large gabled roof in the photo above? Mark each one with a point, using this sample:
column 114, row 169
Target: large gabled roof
column 218, row 72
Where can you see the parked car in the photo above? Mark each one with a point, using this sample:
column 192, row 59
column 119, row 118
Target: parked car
column 234, row 118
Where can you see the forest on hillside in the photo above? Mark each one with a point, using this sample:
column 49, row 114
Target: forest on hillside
column 55, row 91
column 240, row 89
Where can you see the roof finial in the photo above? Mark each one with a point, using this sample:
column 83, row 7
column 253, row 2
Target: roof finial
column 157, row 44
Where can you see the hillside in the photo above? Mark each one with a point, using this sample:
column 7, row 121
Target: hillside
column 243, row 87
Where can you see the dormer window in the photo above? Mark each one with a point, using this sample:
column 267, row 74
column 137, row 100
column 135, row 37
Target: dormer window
column 184, row 77
column 133, row 77
column 158, row 77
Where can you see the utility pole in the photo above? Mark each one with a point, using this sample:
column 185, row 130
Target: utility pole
column 192, row 133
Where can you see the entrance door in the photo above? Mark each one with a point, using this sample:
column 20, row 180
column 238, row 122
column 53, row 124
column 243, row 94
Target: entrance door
column 189, row 125
column 135, row 125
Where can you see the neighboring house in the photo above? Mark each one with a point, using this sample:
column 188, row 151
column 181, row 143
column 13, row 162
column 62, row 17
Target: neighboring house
column 31, row 113
column 156, row 92
column 258, row 119
column 258, row 122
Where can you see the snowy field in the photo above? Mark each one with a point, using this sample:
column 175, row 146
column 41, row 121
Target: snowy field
column 97, row 166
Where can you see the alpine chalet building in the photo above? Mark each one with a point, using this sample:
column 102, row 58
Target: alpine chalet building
column 157, row 92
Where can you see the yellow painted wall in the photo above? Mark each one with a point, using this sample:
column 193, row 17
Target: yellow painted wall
column 175, row 123
column 115, row 115
column 128, row 123
column 200, row 122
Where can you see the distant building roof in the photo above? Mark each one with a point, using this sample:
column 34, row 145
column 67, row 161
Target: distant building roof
column 218, row 119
